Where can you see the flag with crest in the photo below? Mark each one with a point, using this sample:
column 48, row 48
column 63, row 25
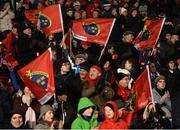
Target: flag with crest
column 95, row 30
column 50, row 19
column 39, row 77
column 142, row 90
column 149, row 36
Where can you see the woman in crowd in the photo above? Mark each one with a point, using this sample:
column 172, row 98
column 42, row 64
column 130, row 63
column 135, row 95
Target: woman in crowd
column 16, row 120
column 46, row 119
column 162, row 96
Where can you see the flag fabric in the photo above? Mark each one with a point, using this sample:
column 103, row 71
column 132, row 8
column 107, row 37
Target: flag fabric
column 142, row 90
column 8, row 42
column 95, row 30
column 9, row 60
column 32, row 15
column 149, row 36
column 50, row 19
column 39, row 77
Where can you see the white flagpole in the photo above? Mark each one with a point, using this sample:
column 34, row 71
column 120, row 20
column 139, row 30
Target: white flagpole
column 107, row 39
column 152, row 97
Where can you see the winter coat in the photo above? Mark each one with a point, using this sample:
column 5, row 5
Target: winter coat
column 123, row 93
column 80, row 122
column 166, row 105
column 113, row 123
column 92, row 93
column 68, row 85
column 42, row 125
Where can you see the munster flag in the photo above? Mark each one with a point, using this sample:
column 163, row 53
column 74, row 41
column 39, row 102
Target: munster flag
column 148, row 37
column 95, row 30
column 142, row 90
column 50, row 19
column 10, row 61
column 32, row 15
column 39, row 77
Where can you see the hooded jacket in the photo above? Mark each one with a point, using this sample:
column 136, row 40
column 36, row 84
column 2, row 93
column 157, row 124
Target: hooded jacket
column 113, row 123
column 80, row 122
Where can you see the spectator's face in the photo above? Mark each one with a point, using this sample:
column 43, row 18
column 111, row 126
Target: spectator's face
column 77, row 7
column 124, row 13
column 153, row 68
column 51, row 37
column 107, row 65
column 95, row 14
column 84, row 15
column 168, row 36
column 93, row 73
column 70, row 13
column 134, row 13
column 28, row 32
column 114, row 12
column 128, row 65
column 83, row 73
column 65, row 67
column 171, row 65
column 14, row 31
column 88, row 111
column 79, row 61
column 77, row 15
column 17, row 120
column 109, row 113
column 40, row 6
column 124, row 82
column 161, row 84
column 27, row 91
column 174, row 38
column 128, row 38
column 48, row 116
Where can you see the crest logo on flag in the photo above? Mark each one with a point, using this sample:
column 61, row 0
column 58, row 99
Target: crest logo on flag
column 145, row 35
column 91, row 29
column 38, row 77
column 44, row 21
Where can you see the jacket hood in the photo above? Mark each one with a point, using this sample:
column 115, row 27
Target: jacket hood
column 84, row 103
column 115, row 107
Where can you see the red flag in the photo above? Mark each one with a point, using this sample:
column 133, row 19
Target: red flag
column 32, row 15
column 142, row 90
column 8, row 42
column 148, row 37
column 10, row 61
column 50, row 19
column 39, row 77
column 95, row 30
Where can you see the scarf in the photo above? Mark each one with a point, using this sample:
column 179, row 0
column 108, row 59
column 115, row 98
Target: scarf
column 30, row 117
column 92, row 83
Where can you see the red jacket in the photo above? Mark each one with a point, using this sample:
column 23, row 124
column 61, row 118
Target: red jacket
column 113, row 123
column 123, row 93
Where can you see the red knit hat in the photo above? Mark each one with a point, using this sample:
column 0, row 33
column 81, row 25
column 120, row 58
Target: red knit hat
column 97, row 68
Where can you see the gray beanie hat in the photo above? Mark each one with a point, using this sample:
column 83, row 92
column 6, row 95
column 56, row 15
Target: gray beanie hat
column 44, row 109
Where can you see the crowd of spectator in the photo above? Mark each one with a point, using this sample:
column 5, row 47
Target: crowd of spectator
column 91, row 93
